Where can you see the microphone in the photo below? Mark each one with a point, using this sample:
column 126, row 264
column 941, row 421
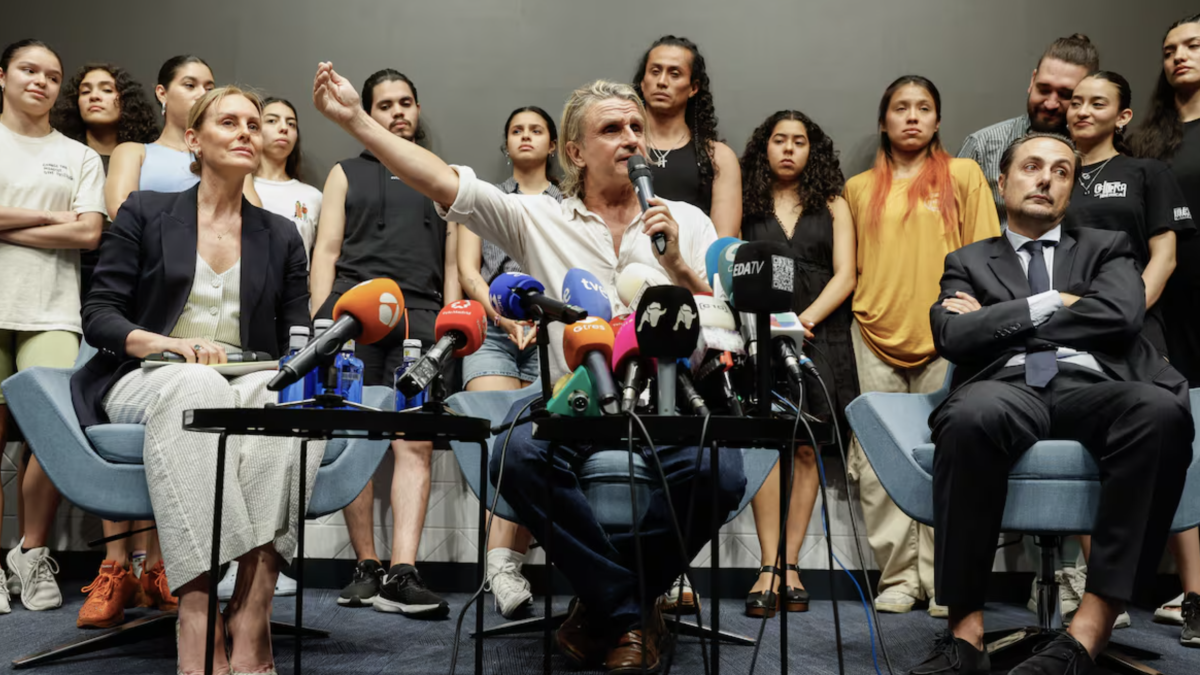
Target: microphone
column 667, row 325
column 762, row 277
column 582, row 288
column 725, row 269
column 787, row 336
column 688, row 387
column 712, row 258
column 643, row 185
column 366, row 313
column 719, row 341
column 574, row 395
column 628, row 365
column 521, row 297
column 459, row 330
column 590, row 343
column 633, row 281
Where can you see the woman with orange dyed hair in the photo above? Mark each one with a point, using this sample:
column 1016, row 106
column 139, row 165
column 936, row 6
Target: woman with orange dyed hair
column 915, row 205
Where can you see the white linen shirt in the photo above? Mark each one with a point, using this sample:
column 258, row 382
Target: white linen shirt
column 548, row 238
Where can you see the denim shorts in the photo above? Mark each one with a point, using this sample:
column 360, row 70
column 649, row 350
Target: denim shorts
column 500, row 356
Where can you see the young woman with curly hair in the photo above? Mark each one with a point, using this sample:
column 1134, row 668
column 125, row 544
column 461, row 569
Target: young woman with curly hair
column 689, row 163
column 916, row 205
column 102, row 106
column 791, row 193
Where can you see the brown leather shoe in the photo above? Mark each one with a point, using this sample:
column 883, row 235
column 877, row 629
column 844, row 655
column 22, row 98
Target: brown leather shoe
column 638, row 644
column 578, row 640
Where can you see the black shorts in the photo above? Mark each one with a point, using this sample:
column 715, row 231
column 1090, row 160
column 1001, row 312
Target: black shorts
column 381, row 359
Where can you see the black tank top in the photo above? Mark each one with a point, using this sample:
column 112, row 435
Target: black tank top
column 392, row 231
column 679, row 180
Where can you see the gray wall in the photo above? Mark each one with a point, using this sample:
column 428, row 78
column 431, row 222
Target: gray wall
column 476, row 60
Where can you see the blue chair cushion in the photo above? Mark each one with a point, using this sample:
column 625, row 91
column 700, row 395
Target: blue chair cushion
column 122, row 443
column 1046, row 460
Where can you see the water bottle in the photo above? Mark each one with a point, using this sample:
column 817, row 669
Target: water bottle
column 350, row 374
column 412, row 353
column 301, row 390
column 318, row 374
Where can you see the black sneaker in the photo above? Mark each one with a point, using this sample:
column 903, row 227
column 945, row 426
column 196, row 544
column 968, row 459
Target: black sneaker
column 404, row 592
column 1061, row 656
column 364, row 587
column 1190, row 609
column 951, row 655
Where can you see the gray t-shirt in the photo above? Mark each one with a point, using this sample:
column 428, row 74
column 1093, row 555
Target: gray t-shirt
column 495, row 260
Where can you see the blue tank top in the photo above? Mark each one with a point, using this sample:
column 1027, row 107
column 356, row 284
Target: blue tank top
column 166, row 170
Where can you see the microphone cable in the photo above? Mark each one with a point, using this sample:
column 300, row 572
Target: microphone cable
column 488, row 532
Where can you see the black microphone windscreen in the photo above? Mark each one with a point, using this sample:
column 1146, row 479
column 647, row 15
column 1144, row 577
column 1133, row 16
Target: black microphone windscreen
column 764, row 275
column 667, row 322
column 637, row 167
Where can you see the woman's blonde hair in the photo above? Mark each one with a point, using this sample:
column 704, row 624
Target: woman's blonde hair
column 572, row 126
column 200, row 108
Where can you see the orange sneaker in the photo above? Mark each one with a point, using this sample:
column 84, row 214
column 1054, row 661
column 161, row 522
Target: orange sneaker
column 113, row 590
column 154, row 583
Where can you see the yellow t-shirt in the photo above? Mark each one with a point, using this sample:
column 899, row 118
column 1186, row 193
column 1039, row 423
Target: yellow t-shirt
column 900, row 266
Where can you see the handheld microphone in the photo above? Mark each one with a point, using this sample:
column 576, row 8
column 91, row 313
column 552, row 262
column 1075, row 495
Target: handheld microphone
column 366, row 313
column 667, row 326
column 629, row 366
column 459, row 330
column 521, row 297
column 643, row 185
column 590, row 343
column 693, row 398
column 582, row 288
column 712, row 258
column 633, row 281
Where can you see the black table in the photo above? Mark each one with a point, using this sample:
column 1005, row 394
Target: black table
column 318, row 424
column 733, row 433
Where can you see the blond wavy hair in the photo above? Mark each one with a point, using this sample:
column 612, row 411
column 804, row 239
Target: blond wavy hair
column 197, row 114
column 573, row 125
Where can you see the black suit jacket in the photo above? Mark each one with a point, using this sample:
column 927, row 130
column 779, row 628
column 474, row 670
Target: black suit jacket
column 144, row 276
column 1106, row 321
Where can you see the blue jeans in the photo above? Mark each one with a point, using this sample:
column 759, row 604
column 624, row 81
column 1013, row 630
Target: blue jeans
column 602, row 569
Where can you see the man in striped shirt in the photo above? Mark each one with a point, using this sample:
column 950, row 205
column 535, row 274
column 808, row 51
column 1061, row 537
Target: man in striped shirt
column 1064, row 63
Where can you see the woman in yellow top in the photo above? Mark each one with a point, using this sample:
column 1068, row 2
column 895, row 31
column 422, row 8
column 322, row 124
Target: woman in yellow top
column 906, row 222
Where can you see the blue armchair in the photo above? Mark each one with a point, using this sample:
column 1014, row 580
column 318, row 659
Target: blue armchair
column 99, row 469
column 1053, row 490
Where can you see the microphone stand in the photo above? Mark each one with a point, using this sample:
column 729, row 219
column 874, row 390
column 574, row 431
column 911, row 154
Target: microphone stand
column 765, row 379
column 543, row 347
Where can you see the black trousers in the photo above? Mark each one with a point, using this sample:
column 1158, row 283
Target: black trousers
column 1139, row 434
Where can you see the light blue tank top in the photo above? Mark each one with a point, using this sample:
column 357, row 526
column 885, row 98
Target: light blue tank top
column 166, row 170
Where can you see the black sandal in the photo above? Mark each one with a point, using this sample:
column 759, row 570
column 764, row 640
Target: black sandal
column 763, row 603
column 795, row 599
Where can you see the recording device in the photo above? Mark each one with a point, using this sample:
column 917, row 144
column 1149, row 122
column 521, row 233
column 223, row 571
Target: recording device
column 725, row 269
column 643, row 185
column 459, row 330
column 231, row 357
column 667, row 325
column 787, row 336
column 521, row 297
column 716, row 348
column 365, row 313
column 590, row 343
column 633, row 281
column 629, row 366
column 712, row 257
column 582, row 288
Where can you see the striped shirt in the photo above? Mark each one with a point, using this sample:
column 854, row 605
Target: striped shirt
column 986, row 147
column 495, row 260
column 214, row 307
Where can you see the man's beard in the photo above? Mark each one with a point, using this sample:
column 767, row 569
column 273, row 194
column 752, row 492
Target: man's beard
column 1036, row 124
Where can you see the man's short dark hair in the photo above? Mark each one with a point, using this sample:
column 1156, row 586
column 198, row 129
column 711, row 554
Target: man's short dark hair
column 1075, row 49
column 1010, row 152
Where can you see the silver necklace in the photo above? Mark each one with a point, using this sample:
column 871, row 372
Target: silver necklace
column 659, row 157
column 1087, row 175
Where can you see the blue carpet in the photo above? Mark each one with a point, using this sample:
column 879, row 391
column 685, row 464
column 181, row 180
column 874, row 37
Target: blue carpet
column 367, row 642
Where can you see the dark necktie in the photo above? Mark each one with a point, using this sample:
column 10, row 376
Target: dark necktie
column 1040, row 367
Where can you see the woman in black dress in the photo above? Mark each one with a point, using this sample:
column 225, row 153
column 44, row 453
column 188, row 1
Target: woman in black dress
column 791, row 193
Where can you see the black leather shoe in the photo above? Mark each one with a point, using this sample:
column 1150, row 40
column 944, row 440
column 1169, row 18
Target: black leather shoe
column 1061, row 656
column 795, row 599
column 953, row 656
column 763, row 603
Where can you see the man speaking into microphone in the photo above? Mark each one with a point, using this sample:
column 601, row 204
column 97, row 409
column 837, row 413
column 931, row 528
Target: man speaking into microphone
column 599, row 227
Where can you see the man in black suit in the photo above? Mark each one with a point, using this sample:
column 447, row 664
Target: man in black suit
column 1044, row 330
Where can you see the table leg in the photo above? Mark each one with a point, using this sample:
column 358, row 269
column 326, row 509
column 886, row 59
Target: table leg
column 215, row 559
column 785, row 473
column 547, row 646
column 718, row 519
column 481, row 562
column 300, row 552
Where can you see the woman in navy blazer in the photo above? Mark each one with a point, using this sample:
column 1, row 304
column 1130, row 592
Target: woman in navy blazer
column 200, row 273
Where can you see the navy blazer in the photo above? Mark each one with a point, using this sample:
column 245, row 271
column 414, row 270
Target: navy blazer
column 144, row 276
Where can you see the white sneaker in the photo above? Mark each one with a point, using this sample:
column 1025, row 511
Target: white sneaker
column 5, row 608
column 1076, row 580
column 39, row 590
column 938, row 611
column 681, row 597
column 228, row 582
column 14, row 583
column 285, row 585
column 1171, row 612
column 894, row 602
column 505, row 581
column 1068, row 598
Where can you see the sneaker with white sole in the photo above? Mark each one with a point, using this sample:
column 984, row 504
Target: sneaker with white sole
column 505, row 581
column 681, row 598
column 228, row 582
column 894, row 602
column 39, row 590
column 1190, row 609
column 5, row 606
column 284, row 586
column 404, row 592
column 1171, row 612
column 938, row 611
column 14, row 584
column 1076, row 579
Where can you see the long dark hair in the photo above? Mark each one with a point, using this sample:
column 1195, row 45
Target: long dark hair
column 390, row 75
column 820, row 181
column 1161, row 131
column 293, row 166
column 170, row 68
column 138, row 120
column 1124, row 101
column 11, row 50
column 550, row 128
column 700, row 115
